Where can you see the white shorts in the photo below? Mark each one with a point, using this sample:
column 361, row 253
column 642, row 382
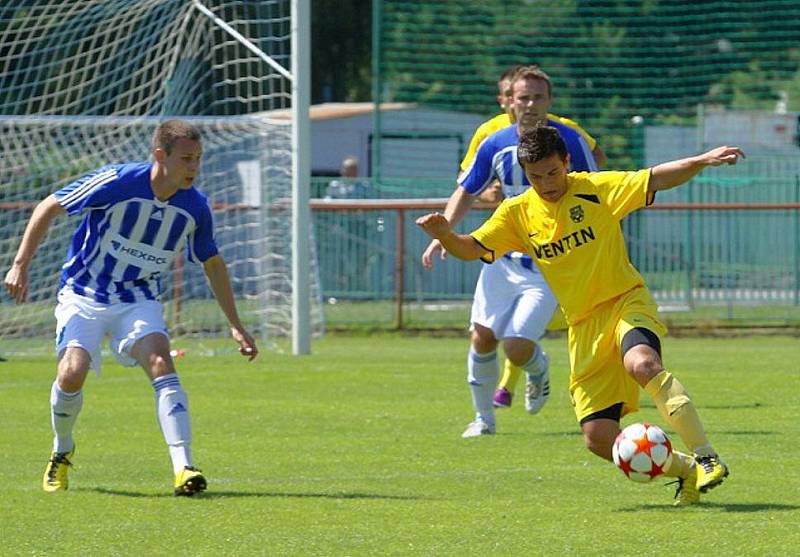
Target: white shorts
column 512, row 301
column 83, row 322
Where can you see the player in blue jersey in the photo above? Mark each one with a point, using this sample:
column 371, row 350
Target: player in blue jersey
column 137, row 218
column 503, row 394
column 512, row 301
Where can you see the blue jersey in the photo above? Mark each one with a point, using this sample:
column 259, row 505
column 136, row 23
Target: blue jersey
column 497, row 160
column 128, row 238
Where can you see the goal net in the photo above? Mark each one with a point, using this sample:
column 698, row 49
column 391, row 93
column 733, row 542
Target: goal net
column 84, row 84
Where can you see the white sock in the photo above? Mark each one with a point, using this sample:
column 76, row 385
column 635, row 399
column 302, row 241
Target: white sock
column 482, row 378
column 64, row 410
column 172, row 409
column 537, row 365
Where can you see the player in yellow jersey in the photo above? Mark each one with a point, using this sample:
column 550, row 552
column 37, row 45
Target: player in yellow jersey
column 497, row 123
column 569, row 224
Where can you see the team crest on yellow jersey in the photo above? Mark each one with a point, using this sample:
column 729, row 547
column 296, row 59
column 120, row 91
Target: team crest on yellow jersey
column 576, row 213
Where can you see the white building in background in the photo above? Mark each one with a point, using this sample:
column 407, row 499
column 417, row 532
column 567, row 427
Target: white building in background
column 416, row 142
column 758, row 132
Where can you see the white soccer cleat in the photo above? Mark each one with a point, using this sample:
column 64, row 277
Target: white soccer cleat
column 478, row 428
column 537, row 388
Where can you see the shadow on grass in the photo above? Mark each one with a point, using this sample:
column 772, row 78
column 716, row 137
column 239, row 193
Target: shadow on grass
column 234, row 494
column 569, row 433
column 747, row 432
column 700, row 405
column 726, row 507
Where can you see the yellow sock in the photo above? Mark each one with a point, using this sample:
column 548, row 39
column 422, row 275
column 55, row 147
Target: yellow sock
column 511, row 375
column 677, row 409
column 680, row 466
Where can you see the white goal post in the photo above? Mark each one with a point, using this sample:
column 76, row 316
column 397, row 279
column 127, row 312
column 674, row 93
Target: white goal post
column 84, row 83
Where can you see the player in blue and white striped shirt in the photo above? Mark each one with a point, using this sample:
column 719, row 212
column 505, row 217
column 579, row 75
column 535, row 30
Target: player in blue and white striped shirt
column 129, row 237
column 512, row 301
column 137, row 217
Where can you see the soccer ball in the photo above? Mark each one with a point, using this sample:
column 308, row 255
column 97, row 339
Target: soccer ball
column 642, row 452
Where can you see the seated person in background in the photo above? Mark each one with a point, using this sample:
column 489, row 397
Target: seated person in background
column 348, row 187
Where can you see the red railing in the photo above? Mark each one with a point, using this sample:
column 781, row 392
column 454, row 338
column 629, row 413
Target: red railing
column 400, row 206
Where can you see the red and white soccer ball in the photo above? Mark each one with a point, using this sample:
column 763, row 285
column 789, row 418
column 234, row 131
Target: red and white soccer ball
column 642, row 452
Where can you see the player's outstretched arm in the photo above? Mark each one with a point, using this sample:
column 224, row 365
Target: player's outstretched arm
column 16, row 280
column 462, row 246
column 457, row 206
column 218, row 278
column 674, row 173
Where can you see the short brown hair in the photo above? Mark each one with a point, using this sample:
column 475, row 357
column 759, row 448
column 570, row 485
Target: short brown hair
column 533, row 72
column 169, row 131
column 510, row 72
column 539, row 143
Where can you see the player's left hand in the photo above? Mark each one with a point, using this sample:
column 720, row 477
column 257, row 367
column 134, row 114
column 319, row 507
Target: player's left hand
column 16, row 283
column 723, row 155
column 435, row 225
column 247, row 346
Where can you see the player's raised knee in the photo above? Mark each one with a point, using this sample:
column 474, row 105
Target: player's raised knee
column 644, row 369
column 643, row 362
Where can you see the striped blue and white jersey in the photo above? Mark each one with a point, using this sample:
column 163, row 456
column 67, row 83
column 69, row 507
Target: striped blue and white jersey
column 497, row 160
column 127, row 237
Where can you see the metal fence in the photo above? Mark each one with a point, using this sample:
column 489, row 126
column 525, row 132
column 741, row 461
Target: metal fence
column 725, row 249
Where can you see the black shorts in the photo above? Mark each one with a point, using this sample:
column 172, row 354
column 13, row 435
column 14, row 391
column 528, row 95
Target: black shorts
column 613, row 412
column 638, row 336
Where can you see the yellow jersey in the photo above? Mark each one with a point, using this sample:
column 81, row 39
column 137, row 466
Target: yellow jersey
column 576, row 242
column 503, row 121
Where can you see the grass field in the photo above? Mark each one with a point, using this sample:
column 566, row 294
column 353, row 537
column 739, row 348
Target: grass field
column 356, row 450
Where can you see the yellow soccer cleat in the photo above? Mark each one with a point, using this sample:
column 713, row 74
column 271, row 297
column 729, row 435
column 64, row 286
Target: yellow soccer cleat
column 710, row 472
column 189, row 481
column 687, row 493
column 55, row 475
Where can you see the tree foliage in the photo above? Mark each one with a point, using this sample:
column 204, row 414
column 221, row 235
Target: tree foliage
column 610, row 60
column 341, row 44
